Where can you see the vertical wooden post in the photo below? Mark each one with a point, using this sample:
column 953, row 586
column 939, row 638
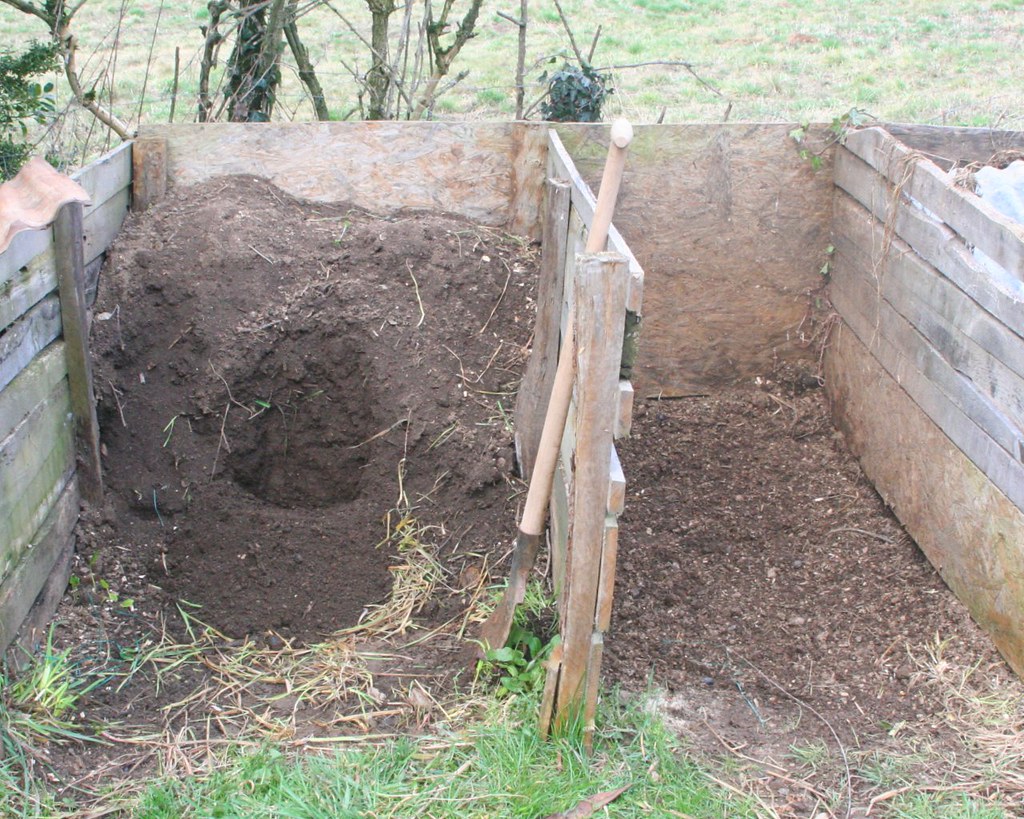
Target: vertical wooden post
column 535, row 388
column 149, row 172
column 69, row 252
column 600, row 305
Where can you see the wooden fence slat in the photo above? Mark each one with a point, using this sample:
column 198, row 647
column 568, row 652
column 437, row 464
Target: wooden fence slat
column 616, row 485
column 106, row 176
column 600, row 307
column 624, row 416
column 24, row 247
column 27, row 336
column 964, row 334
column 979, row 223
column 22, row 586
column 102, row 224
column 606, row 585
column 560, row 164
column 559, row 528
column 27, row 286
column 535, row 388
column 593, row 689
column 31, row 388
column 33, row 460
column 68, row 252
column 1001, row 295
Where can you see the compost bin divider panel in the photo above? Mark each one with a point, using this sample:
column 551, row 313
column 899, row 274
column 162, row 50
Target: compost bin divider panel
column 40, row 499
column 600, row 307
column 535, row 388
column 925, row 369
column 946, row 145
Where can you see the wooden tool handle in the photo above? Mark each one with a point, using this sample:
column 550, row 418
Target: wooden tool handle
column 532, row 522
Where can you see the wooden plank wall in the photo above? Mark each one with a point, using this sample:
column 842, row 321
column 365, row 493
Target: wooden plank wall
column 39, row 492
column 732, row 227
column 926, row 372
column 600, row 291
column 490, row 172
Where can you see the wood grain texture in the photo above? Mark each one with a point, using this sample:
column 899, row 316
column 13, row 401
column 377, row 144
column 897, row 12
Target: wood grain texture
column 1000, row 294
column 149, row 172
column 26, row 392
column 946, row 146
column 465, row 168
column 27, row 336
column 731, row 226
column 949, row 399
column 23, row 585
column 976, row 345
column 970, row 531
column 35, row 460
column 535, row 387
column 600, row 305
column 606, row 584
column 979, row 223
column 69, row 250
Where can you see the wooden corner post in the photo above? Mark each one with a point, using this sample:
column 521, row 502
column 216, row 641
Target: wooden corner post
column 69, row 246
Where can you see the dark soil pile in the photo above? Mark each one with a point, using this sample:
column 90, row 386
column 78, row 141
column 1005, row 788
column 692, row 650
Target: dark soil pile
column 275, row 376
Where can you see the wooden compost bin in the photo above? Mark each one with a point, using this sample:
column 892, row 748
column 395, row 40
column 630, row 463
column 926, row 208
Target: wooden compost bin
column 732, row 226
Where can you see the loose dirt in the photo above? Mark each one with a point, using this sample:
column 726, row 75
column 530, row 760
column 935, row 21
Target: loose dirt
column 284, row 387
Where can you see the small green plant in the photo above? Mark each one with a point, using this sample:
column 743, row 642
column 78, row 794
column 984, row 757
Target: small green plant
column 838, row 130
column 575, row 93
column 23, row 100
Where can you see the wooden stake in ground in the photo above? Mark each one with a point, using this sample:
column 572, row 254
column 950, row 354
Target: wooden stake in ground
column 495, row 630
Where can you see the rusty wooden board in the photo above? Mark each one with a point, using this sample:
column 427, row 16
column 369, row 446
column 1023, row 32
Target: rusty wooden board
column 969, row 530
column 490, row 172
column 731, row 226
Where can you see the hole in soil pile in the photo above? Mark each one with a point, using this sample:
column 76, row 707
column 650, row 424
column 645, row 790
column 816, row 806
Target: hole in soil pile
column 310, row 411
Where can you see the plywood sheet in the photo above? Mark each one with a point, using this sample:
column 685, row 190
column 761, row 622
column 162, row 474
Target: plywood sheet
column 489, row 172
column 731, row 226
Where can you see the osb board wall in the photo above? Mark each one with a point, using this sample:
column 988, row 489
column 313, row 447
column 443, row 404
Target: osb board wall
column 489, row 172
column 732, row 227
column 968, row 529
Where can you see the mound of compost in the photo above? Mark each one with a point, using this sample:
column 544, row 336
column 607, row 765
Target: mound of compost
column 281, row 382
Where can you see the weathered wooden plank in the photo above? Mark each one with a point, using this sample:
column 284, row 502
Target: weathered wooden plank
column 969, row 530
column 999, row 293
column 101, row 225
column 616, row 485
column 23, row 249
column 459, row 167
column 69, row 248
column 593, row 687
column 600, row 305
column 968, row 337
column 924, row 373
column 106, row 176
column 609, row 560
column 979, row 223
column 535, row 387
column 992, row 459
column 149, row 172
column 946, row 145
column 558, row 538
column 34, row 459
column 560, row 165
column 27, row 336
column 26, row 286
column 624, row 416
column 31, row 387
column 24, row 584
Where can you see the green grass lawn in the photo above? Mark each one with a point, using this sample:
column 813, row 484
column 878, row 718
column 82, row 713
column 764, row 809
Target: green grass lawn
column 931, row 61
